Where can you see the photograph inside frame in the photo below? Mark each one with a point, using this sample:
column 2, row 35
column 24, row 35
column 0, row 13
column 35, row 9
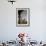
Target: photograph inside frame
column 23, row 16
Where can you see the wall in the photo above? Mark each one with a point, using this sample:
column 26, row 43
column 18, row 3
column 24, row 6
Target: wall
column 37, row 29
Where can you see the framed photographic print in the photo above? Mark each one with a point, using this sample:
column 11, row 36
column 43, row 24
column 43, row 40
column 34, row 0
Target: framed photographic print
column 22, row 17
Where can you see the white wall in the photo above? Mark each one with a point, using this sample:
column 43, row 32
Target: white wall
column 37, row 29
